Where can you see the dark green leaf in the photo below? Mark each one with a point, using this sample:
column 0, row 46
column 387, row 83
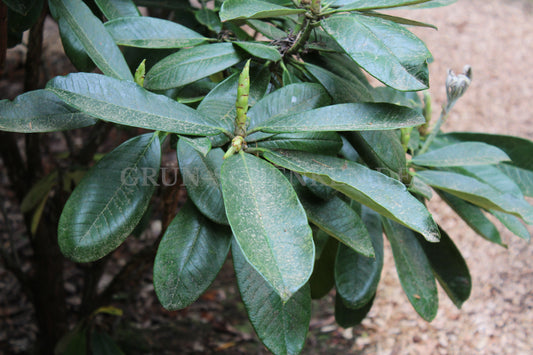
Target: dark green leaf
column 492, row 176
column 103, row 344
column 281, row 325
column 201, row 175
column 384, row 49
column 345, row 117
column 246, row 9
column 268, row 222
column 323, row 279
column 338, row 219
column 474, row 217
column 400, row 20
column 202, row 145
column 522, row 177
column 127, row 103
column 40, row 111
column 110, row 200
column 209, row 18
column 266, row 29
column 219, row 104
column 290, row 99
column 113, row 9
column 380, row 150
column 414, row 269
column 365, row 5
column 449, row 267
column 190, row 64
column 459, row 154
column 342, row 90
column 357, row 276
column 348, row 317
column 386, row 196
column 478, row 193
column 420, row 188
column 189, row 258
column 518, row 149
column 513, row 224
column 260, row 50
column 319, row 142
column 18, row 23
column 74, row 48
column 92, row 34
column 434, row 3
column 149, row 32
column 22, row 7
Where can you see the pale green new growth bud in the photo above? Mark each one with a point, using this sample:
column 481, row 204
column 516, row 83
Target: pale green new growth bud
column 140, row 72
column 456, row 85
column 241, row 104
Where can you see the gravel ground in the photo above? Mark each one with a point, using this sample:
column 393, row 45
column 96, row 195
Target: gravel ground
column 496, row 38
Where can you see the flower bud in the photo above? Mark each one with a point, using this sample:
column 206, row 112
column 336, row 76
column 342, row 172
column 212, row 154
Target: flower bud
column 456, row 85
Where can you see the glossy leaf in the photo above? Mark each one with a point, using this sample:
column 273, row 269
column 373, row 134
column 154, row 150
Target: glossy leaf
column 190, row 64
column 188, row 258
column 342, row 90
column 201, row 176
column 260, row 50
column 338, row 219
column 400, row 20
column 40, row 111
column 386, row 50
column 345, row 117
column 113, row 9
column 209, row 18
column 386, row 196
column 348, row 317
column 478, row 193
column 473, row 216
column 449, row 267
column 357, row 276
column 518, row 149
column 268, row 222
column 319, row 142
column 110, row 200
column 281, row 325
column 219, row 104
column 266, row 29
column 513, row 224
column 365, row 5
column 150, row 32
column 202, row 145
column 522, row 177
column 289, row 99
column 95, row 39
column 380, row 150
column 414, row 269
column 459, row 154
column 126, row 103
column 323, row 279
column 74, row 48
column 492, row 176
column 250, row 9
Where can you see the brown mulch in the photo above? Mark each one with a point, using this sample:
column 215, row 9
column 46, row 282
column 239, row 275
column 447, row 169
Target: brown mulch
column 496, row 38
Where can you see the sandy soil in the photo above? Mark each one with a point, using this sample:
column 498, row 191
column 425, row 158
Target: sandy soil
column 496, row 38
